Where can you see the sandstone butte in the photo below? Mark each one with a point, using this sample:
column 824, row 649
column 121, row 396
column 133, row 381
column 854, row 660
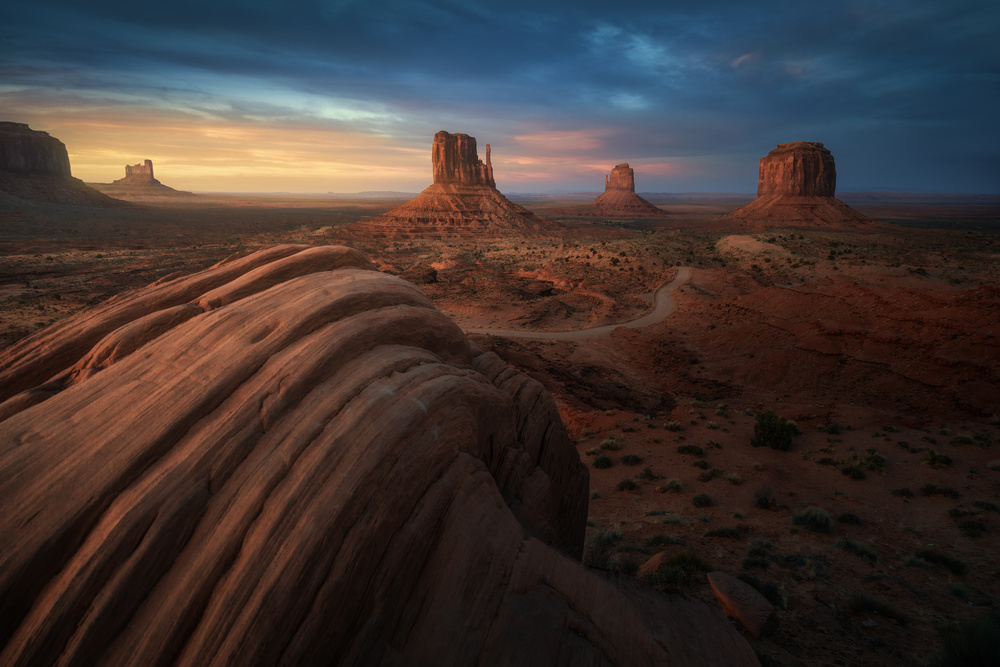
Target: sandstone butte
column 292, row 458
column 618, row 200
column 34, row 166
column 462, row 202
column 139, row 181
column 796, row 188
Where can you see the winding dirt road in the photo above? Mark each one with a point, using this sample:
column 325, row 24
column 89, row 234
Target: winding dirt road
column 663, row 306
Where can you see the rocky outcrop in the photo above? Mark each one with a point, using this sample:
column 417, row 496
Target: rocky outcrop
column 34, row 166
column 291, row 458
column 463, row 201
column 744, row 603
column 618, row 200
column 139, row 184
column 796, row 187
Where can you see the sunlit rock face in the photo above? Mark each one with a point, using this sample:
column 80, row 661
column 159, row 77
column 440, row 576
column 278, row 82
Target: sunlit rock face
column 292, row 458
column 138, row 175
column 622, row 177
column 795, row 188
column 798, row 168
column 619, row 198
column 34, row 166
column 463, row 201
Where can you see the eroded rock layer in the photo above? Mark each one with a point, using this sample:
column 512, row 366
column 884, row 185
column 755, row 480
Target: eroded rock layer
column 463, row 201
column 34, row 166
column 796, row 187
column 291, row 458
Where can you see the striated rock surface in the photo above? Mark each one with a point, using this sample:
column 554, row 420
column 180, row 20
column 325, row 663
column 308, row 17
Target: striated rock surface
column 463, row 201
column 34, row 166
column 618, row 200
column 741, row 601
column 796, row 187
column 291, row 458
column 139, row 183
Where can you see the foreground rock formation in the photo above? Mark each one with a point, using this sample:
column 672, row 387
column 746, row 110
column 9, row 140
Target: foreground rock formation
column 291, row 458
column 34, row 166
column 796, row 188
column 138, row 183
column 463, row 201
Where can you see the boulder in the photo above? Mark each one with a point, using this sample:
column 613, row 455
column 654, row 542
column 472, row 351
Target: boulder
column 741, row 601
column 292, row 458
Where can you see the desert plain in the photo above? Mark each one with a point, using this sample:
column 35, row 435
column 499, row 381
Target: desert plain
column 879, row 526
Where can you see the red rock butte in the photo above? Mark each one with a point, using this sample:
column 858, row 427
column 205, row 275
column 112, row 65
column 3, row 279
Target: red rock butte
column 618, row 200
column 292, row 458
column 463, row 201
column 796, row 188
column 34, row 166
column 139, row 182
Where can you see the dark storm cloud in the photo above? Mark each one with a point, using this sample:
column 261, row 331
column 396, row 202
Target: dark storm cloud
column 903, row 92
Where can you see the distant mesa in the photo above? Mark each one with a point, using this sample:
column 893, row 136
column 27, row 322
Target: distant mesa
column 463, row 201
column 138, row 183
column 34, row 166
column 292, row 458
column 618, row 200
column 796, row 188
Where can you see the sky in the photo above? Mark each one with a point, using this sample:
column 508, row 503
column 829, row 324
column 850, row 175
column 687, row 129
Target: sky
column 346, row 95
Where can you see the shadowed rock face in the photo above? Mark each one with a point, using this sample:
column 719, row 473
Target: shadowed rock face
column 463, row 201
column 795, row 188
column 291, row 458
column 138, row 174
column 800, row 168
column 27, row 151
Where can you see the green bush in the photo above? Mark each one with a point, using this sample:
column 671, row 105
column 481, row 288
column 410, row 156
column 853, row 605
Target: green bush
column 648, row 475
column 603, row 462
column 935, row 460
column 815, row 519
column 631, row 460
column 674, row 484
column 610, row 444
column 690, row 449
column 627, row 485
column 854, row 472
column 772, row 431
column 702, row 500
column 700, row 463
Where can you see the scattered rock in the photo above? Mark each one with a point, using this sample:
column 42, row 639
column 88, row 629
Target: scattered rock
column 743, row 602
column 293, row 458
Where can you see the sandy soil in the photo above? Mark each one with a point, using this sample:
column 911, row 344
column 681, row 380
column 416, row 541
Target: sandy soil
column 882, row 346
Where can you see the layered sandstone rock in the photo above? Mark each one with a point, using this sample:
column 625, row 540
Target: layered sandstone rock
column 34, row 166
column 138, row 184
column 618, row 200
column 796, row 187
column 462, row 202
column 291, row 458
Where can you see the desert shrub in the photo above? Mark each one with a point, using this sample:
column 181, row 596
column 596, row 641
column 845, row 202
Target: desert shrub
column 731, row 533
column 971, row 642
column 679, row 569
column 814, row 518
column 854, row 472
column 627, row 485
column 764, row 498
column 859, row 602
column 935, row 460
column 734, row 478
column 690, row 449
column 902, row 493
column 987, row 505
column 702, row 500
column 935, row 490
column 993, row 464
column 673, row 484
column 858, row 549
column 597, row 551
column 827, row 461
column 593, row 451
column 953, row 565
column 610, row 444
column 873, row 460
column 673, row 426
column 603, row 462
column 700, row 463
column 772, row 431
column 648, row 475
column 712, row 425
column 849, row 518
column 631, row 460
column 972, row 527
column 709, row 475
column 661, row 540
column 962, row 439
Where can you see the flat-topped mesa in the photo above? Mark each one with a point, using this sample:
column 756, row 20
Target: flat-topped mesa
column 138, row 174
column 31, row 152
column 455, row 160
column 798, row 168
column 622, row 177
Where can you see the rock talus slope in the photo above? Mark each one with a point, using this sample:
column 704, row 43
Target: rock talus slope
column 796, row 187
column 463, row 201
column 291, row 458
